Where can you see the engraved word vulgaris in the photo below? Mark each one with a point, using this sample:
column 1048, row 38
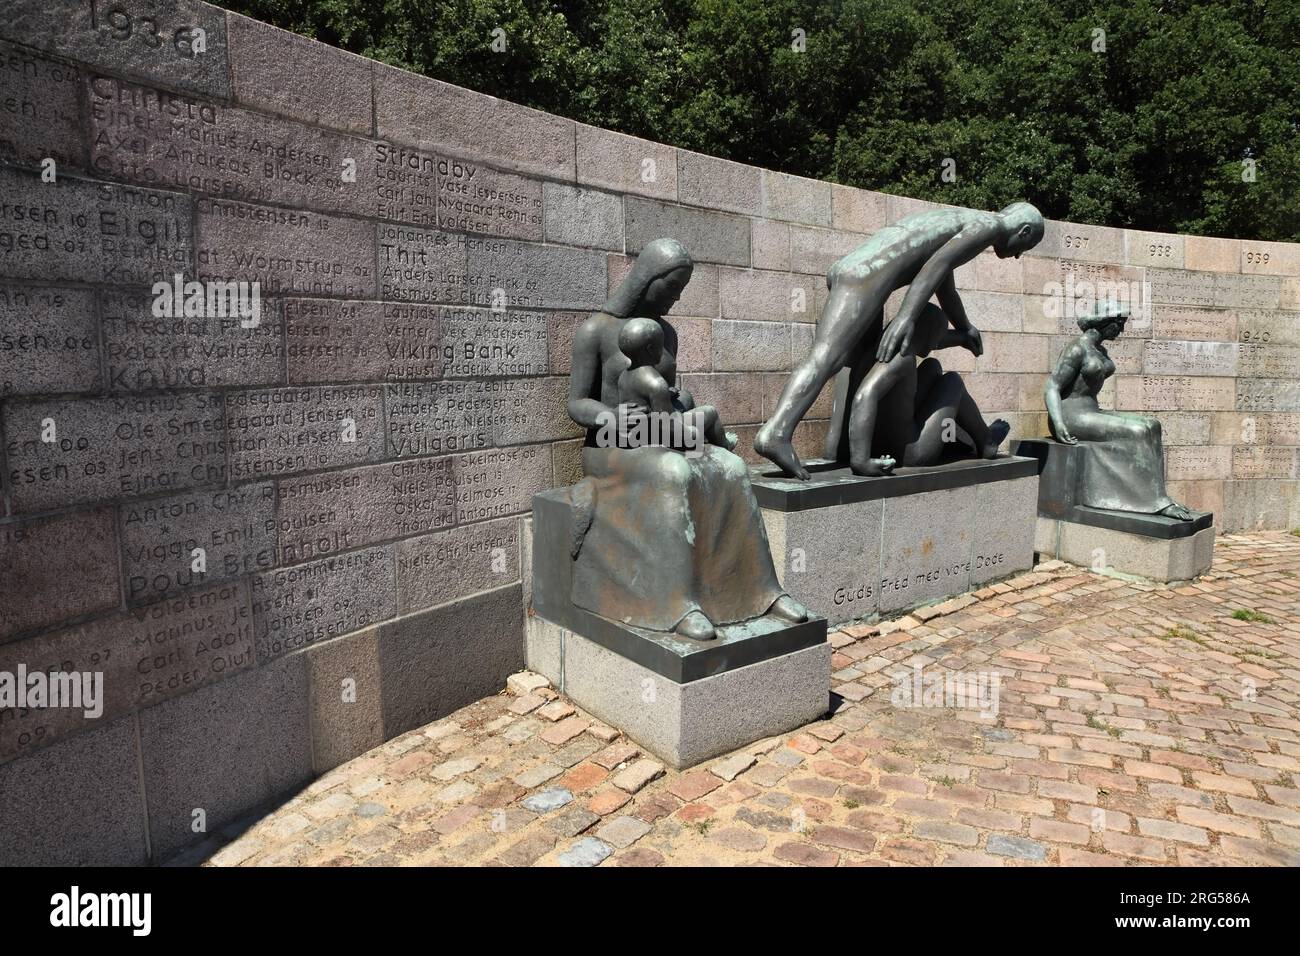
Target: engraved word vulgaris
column 211, row 300
column 73, row 690
column 973, row 690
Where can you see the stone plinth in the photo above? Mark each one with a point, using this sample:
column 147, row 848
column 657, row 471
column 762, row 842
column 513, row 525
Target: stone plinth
column 855, row 548
column 683, row 700
column 1146, row 545
column 1169, row 560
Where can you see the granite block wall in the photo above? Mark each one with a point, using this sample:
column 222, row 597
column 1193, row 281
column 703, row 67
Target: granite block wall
column 284, row 543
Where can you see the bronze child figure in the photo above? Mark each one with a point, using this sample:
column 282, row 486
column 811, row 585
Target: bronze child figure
column 643, row 390
column 915, row 414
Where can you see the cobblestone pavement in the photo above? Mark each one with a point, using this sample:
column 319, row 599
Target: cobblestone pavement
column 1137, row 725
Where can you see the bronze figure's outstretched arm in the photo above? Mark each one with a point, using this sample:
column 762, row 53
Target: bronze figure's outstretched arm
column 584, row 379
column 934, row 278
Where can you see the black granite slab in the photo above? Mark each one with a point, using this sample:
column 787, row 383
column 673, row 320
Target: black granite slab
column 1058, row 471
column 1059, row 468
column 835, row 484
column 676, row 658
column 1151, row 526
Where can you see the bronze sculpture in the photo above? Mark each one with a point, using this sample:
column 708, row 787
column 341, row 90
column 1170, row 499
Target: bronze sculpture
column 644, row 393
column 1124, row 468
column 920, row 251
column 911, row 414
column 663, row 540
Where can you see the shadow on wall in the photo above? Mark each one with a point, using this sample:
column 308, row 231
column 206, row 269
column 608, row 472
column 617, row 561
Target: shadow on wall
column 253, row 738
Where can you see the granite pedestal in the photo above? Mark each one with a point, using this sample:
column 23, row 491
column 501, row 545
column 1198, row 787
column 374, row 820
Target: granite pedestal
column 854, row 548
column 685, row 701
column 1145, row 545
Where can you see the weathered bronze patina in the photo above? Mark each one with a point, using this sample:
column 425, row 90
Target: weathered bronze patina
column 918, row 415
column 1124, row 468
column 920, row 252
column 665, row 538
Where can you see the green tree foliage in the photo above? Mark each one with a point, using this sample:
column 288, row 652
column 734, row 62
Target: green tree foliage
column 1152, row 132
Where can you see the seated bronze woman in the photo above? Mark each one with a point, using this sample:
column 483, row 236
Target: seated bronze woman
column 1124, row 468
column 670, row 540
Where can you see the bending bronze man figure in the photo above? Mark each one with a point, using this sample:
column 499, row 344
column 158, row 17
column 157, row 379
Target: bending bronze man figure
column 1124, row 468
column 920, row 251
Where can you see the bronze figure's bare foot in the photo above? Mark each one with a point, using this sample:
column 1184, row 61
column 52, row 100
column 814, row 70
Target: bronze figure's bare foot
column 788, row 609
column 696, row 626
column 781, row 452
column 1178, row 512
column 732, row 441
column 874, row 467
column 998, row 432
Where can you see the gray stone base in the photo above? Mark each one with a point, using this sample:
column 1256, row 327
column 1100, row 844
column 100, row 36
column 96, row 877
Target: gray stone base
column 683, row 723
column 1059, row 495
column 862, row 559
column 1108, row 551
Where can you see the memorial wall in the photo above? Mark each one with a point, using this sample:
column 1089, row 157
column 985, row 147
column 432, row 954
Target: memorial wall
column 284, row 519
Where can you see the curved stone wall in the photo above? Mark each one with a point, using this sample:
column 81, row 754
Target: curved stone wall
column 284, row 541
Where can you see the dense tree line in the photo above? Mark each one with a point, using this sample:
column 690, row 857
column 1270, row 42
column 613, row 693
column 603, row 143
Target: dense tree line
column 1140, row 113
